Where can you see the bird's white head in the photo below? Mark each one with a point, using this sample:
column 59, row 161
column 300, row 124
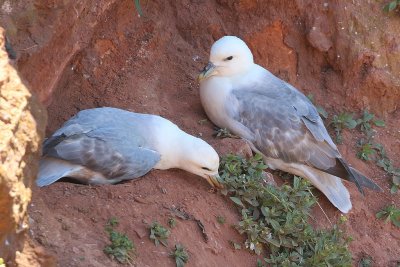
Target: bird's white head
column 201, row 159
column 181, row 150
column 229, row 56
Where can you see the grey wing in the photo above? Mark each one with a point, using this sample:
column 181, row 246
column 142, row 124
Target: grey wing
column 114, row 159
column 284, row 126
column 76, row 125
column 309, row 114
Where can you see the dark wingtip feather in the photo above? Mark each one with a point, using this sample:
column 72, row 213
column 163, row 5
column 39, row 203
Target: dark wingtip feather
column 364, row 181
column 359, row 179
column 352, row 177
column 51, row 142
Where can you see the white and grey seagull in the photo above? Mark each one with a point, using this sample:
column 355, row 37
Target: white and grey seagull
column 109, row 145
column 276, row 119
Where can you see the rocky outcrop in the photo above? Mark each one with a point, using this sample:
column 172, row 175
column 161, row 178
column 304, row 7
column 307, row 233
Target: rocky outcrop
column 345, row 50
column 22, row 124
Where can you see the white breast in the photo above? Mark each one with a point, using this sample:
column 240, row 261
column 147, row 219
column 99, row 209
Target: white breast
column 213, row 94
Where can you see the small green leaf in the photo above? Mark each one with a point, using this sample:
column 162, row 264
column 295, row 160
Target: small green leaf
column 235, row 245
column 396, row 222
column 381, row 214
column 180, row 255
column 237, row 201
column 351, row 124
column 394, row 189
column 367, row 116
column 274, row 224
column 392, row 5
column 138, row 7
column 265, row 211
column 379, row 123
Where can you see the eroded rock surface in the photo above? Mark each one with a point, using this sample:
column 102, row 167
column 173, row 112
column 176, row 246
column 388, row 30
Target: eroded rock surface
column 22, row 124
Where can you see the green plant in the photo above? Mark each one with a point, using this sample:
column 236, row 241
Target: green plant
column 159, row 234
column 395, row 184
column 112, row 222
column 365, row 123
column 340, row 122
column 171, row 222
column 220, row 219
column 390, row 213
column 277, row 218
column 180, row 255
column 386, row 164
column 367, row 151
column 138, row 7
column 121, row 248
column 235, row 245
column 392, row 5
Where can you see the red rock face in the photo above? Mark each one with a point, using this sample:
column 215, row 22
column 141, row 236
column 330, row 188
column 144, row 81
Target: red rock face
column 22, row 123
column 349, row 49
column 90, row 53
column 269, row 49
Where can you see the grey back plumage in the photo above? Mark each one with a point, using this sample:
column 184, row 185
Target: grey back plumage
column 112, row 142
column 285, row 123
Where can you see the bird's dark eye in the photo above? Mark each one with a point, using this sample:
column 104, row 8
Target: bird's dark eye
column 229, row 58
column 205, row 168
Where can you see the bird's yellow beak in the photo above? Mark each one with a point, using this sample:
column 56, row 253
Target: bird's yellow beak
column 213, row 181
column 206, row 72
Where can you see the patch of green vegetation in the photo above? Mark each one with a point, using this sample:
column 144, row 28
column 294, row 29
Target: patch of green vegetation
column 365, row 123
column 277, row 218
column 112, row 222
column 390, row 213
column 392, row 5
column 235, row 245
column 180, row 255
column 342, row 121
column 386, row 164
column 395, row 184
column 220, row 219
column 159, row 234
column 138, row 7
column 370, row 150
column 171, row 222
column 367, row 150
column 121, row 248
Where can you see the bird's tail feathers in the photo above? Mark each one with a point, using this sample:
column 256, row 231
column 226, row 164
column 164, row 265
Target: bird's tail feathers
column 52, row 170
column 331, row 186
